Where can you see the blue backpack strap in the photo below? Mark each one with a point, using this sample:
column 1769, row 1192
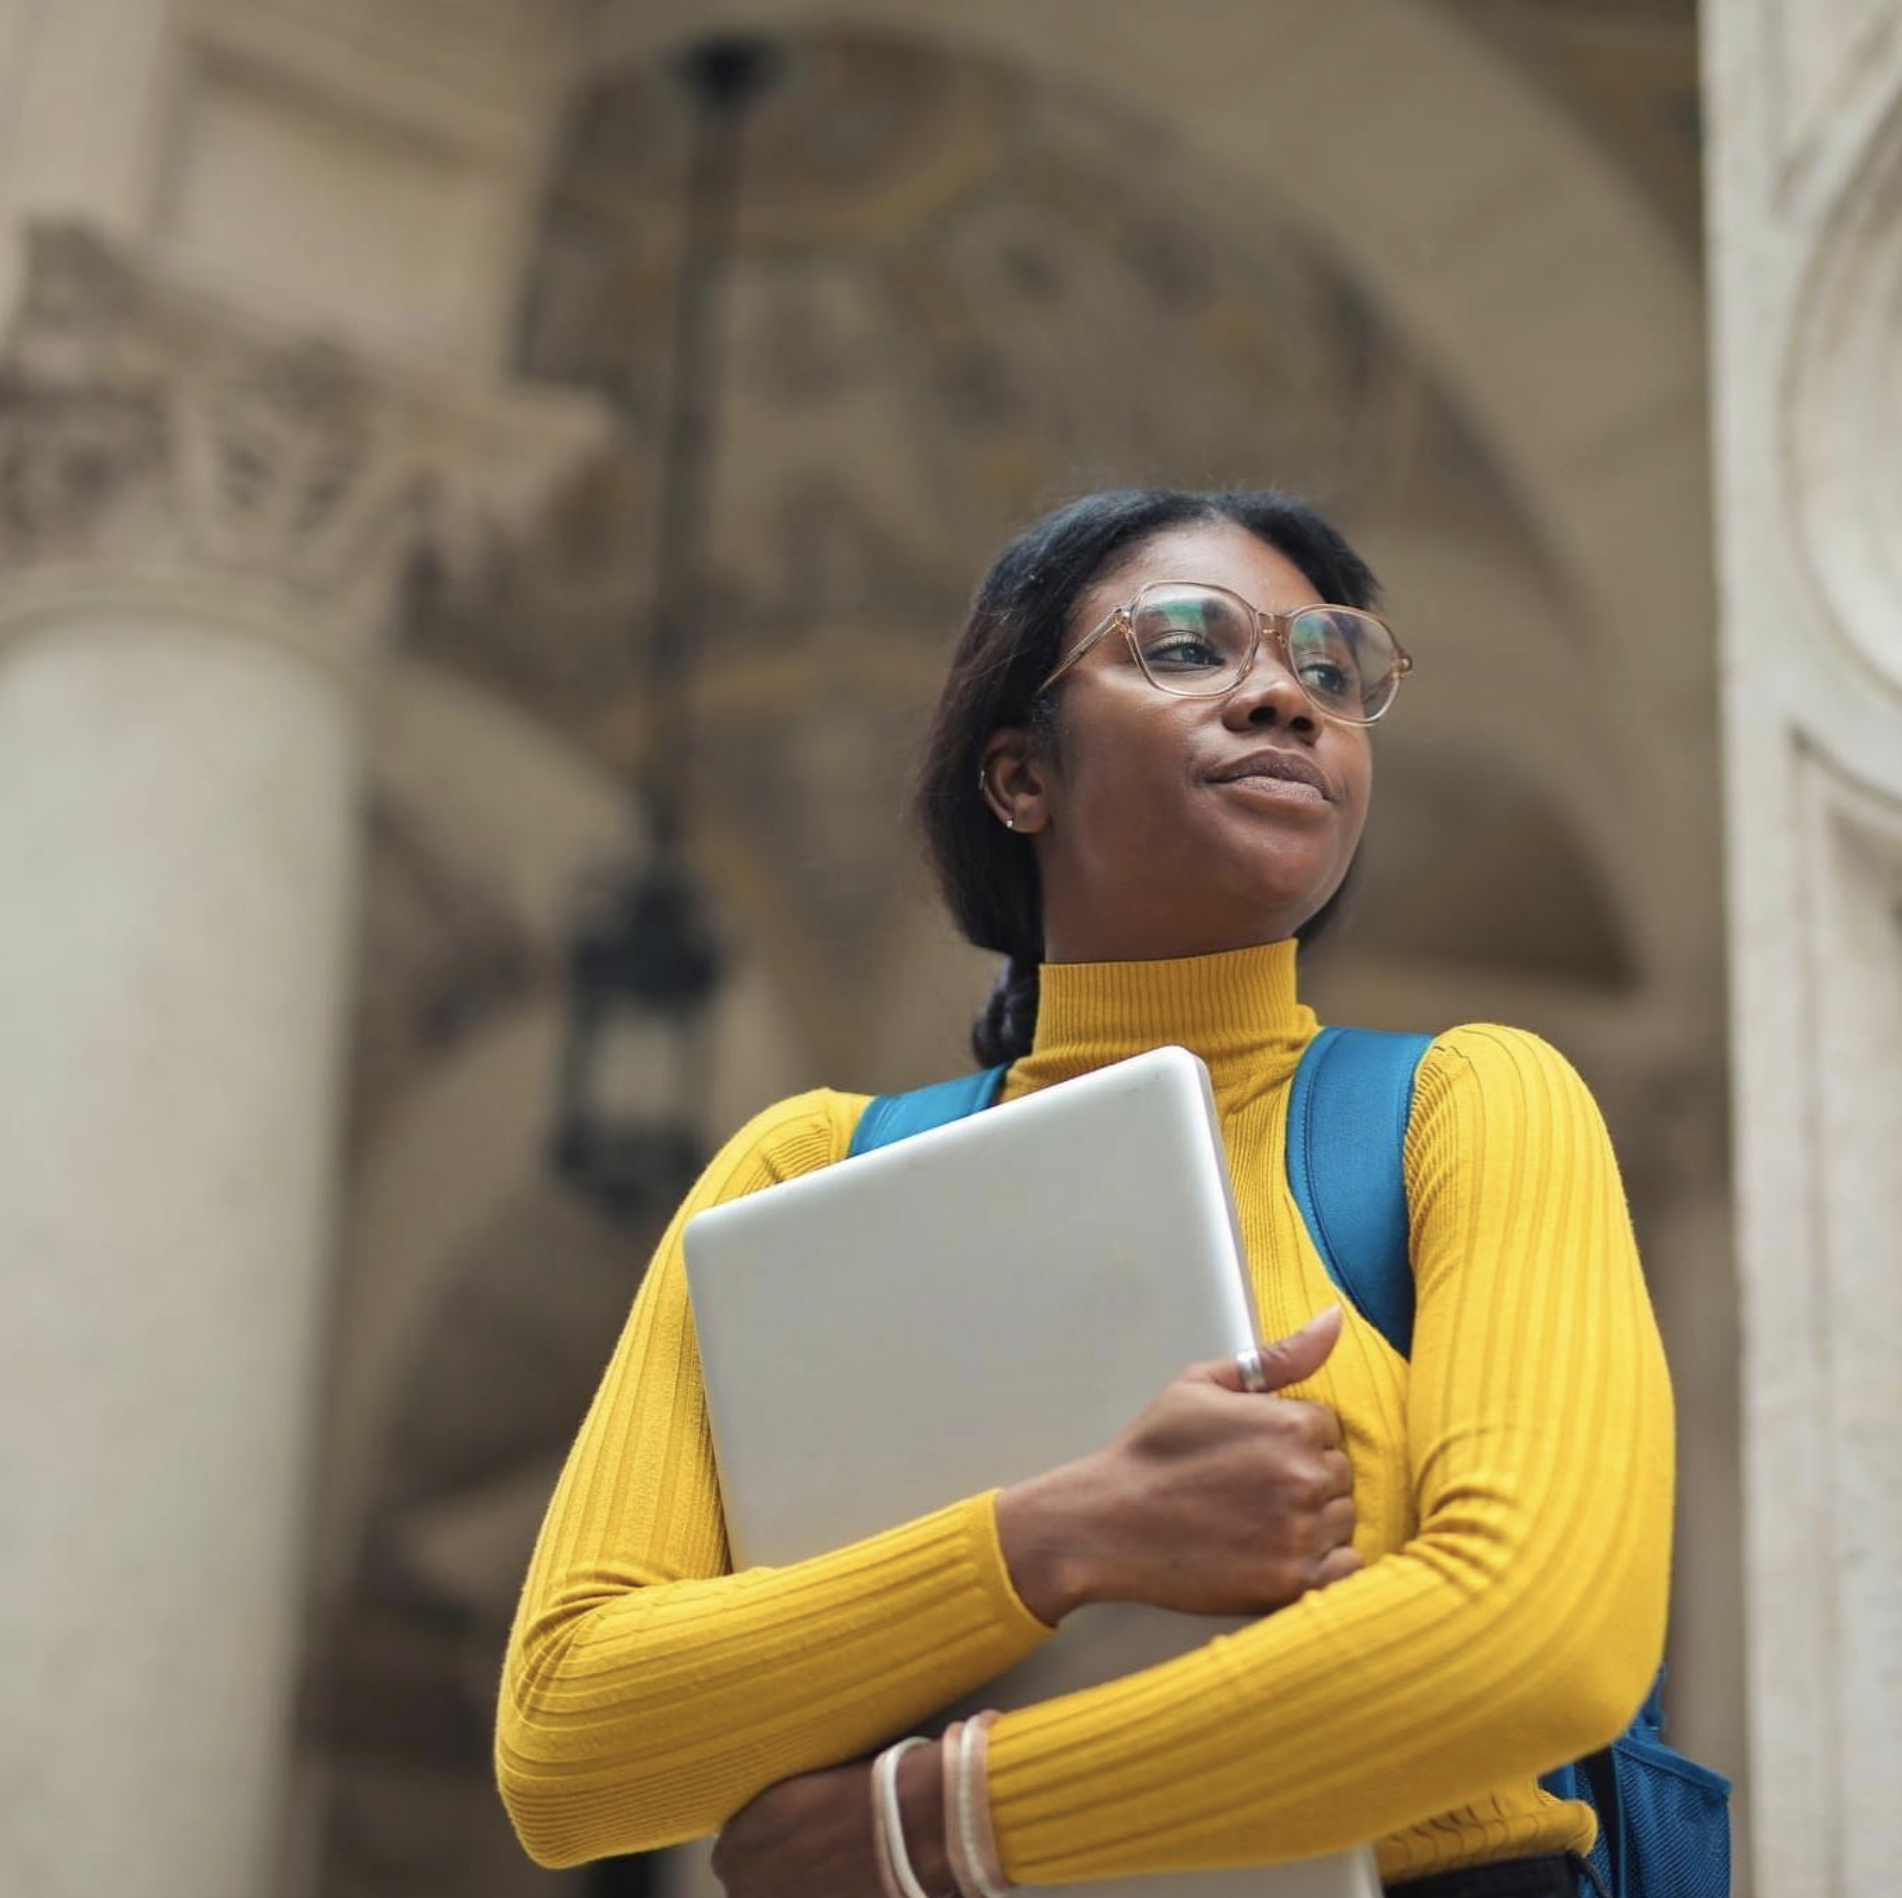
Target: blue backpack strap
column 890, row 1117
column 1347, row 1120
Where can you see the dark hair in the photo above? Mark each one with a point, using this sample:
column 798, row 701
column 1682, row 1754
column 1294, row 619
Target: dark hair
column 1011, row 641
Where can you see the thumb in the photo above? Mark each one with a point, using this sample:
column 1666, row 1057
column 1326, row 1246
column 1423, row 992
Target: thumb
column 1301, row 1353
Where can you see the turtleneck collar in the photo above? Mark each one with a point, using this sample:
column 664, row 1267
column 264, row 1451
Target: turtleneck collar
column 1237, row 1010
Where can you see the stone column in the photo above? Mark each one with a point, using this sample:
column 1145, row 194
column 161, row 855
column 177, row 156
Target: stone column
column 1805, row 109
column 200, row 525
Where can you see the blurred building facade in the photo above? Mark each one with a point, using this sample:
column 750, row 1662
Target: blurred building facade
column 329, row 411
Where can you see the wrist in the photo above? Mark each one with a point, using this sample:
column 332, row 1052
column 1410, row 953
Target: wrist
column 921, row 1807
column 932, row 1831
column 1037, row 1529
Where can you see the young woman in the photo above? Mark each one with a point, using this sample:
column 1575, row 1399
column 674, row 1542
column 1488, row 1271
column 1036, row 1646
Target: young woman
column 1145, row 784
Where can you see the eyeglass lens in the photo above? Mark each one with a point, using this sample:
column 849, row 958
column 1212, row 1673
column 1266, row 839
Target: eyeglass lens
column 1196, row 641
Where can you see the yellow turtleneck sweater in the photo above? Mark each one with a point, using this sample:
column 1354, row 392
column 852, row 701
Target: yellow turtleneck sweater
column 1513, row 1484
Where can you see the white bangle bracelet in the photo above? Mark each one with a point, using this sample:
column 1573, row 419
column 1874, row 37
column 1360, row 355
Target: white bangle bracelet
column 977, row 1848
column 885, row 1792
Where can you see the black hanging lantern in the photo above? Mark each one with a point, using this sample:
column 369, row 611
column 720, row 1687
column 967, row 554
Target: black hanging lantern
column 642, row 968
column 642, row 961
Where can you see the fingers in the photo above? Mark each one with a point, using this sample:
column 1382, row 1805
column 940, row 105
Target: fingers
column 1336, row 1566
column 1295, row 1576
column 1287, row 1360
column 1335, row 1523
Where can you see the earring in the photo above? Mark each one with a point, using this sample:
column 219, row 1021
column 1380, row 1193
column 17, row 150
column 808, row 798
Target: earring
column 984, row 791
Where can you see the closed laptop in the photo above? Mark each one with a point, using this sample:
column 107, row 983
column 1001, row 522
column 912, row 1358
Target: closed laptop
column 970, row 1307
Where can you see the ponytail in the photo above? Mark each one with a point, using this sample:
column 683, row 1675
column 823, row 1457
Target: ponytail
column 1008, row 1024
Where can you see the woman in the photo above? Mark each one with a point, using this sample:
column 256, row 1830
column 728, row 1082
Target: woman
column 1144, row 786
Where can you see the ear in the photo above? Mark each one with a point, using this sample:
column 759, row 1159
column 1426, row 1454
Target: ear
column 1016, row 777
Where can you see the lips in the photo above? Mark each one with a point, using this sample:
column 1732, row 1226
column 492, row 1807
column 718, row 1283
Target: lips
column 1286, row 766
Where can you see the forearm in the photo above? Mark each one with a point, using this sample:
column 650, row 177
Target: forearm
column 1522, row 1623
column 653, row 1713
column 1370, row 1706
column 647, row 1693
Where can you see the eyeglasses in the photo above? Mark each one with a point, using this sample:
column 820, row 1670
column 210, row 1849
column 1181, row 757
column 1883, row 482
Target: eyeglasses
column 1197, row 642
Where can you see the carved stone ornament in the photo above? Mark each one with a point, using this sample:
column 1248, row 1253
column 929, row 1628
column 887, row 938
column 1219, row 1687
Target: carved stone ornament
column 1844, row 409
column 145, row 429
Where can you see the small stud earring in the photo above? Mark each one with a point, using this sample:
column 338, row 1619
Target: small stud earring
column 1010, row 823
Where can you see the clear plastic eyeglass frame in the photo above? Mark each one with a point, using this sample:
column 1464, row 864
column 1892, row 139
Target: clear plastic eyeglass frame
column 1276, row 625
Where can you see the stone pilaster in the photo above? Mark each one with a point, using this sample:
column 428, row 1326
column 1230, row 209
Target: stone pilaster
column 1805, row 110
column 202, row 526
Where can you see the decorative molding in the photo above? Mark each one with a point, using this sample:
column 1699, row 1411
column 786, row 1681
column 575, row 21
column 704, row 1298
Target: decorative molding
column 1819, row 59
column 1838, row 1401
column 1842, row 410
column 146, row 428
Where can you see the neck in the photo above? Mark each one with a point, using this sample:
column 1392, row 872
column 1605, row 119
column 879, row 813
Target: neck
column 1236, row 1008
column 1122, row 940
column 1163, row 919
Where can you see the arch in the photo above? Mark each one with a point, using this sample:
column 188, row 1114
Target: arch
column 1520, row 264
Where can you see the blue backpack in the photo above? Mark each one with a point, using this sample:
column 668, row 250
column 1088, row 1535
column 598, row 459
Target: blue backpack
column 1663, row 1820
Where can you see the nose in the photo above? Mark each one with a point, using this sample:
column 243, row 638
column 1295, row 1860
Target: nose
column 1269, row 696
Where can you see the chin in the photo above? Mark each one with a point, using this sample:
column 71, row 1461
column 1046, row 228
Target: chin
column 1296, row 890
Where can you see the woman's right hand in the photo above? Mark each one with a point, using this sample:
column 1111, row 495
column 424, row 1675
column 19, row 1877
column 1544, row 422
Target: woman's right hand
column 1215, row 1501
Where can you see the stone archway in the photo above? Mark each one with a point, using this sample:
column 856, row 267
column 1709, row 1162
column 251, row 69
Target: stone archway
column 1533, row 285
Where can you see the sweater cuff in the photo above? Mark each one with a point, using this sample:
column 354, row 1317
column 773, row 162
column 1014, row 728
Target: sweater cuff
column 994, row 1572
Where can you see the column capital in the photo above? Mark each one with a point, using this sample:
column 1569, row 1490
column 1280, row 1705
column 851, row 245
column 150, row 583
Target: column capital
column 151, row 436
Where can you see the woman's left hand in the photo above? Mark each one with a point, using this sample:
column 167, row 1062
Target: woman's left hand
column 814, row 1833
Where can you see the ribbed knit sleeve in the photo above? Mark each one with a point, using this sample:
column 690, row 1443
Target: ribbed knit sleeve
column 647, row 1694
column 1518, row 1628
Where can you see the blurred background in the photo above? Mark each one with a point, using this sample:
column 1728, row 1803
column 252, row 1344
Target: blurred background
column 486, row 492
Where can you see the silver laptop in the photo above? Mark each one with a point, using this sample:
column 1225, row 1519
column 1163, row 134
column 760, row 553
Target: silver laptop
column 967, row 1308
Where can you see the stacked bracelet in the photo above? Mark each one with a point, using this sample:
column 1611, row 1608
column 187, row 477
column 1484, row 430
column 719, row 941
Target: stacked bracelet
column 895, row 1874
column 970, row 1842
